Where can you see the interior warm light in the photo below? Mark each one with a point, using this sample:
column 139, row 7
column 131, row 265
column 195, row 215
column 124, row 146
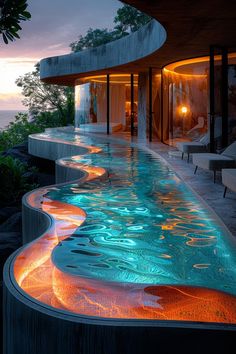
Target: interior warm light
column 200, row 76
column 114, row 79
column 184, row 109
column 173, row 68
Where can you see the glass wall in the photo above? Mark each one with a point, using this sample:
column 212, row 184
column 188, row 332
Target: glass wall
column 232, row 101
column 156, row 106
column 180, row 102
column 91, row 103
column 185, row 100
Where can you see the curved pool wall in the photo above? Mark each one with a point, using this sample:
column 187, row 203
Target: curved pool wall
column 128, row 252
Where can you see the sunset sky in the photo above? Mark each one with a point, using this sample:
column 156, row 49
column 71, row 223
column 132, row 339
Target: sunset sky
column 53, row 26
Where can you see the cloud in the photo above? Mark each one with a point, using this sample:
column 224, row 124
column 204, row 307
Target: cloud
column 19, row 61
column 11, row 69
column 57, row 23
column 56, row 46
column 53, row 26
column 12, row 101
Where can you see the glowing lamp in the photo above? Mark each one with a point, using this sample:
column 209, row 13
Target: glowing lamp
column 184, row 109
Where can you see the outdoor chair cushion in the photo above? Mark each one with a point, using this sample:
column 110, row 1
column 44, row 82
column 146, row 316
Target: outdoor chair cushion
column 229, row 178
column 230, row 151
column 214, row 162
column 190, row 147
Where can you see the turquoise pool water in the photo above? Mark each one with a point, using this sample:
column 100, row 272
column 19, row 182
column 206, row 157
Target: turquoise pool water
column 144, row 225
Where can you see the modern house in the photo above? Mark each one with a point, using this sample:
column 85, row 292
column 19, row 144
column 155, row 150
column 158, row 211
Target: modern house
column 175, row 79
column 126, row 258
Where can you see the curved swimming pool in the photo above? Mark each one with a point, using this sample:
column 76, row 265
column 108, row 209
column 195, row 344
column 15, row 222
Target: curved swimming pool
column 132, row 241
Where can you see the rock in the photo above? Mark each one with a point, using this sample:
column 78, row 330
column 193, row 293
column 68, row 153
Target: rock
column 16, row 154
column 6, row 212
column 20, row 152
column 42, row 179
column 22, row 147
column 44, row 166
column 31, row 177
column 12, row 224
column 45, row 179
column 10, row 240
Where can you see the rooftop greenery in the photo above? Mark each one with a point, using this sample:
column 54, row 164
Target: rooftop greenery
column 127, row 20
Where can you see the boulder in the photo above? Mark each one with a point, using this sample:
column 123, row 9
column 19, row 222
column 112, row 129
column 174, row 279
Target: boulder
column 9, row 242
column 12, row 224
column 42, row 179
column 31, row 177
column 16, row 154
column 22, row 147
column 44, row 166
column 45, row 179
column 6, row 212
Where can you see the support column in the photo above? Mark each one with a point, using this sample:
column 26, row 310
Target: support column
column 132, row 103
column 161, row 107
column 108, row 104
column 224, row 97
column 150, row 103
column 171, row 110
column 212, row 99
column 142, row 106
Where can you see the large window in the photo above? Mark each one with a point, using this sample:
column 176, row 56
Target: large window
column 232, row 102
column 91, row 102
column 185, row 100
column 186, row 108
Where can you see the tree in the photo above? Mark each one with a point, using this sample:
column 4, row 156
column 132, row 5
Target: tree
column 127, row 20
column 12, row 12
column 93, row 38
column 41, row 97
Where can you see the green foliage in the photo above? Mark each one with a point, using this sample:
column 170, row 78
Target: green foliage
column 18, row 131
column 93, row 38
column 48, row 120
column 12, row 12
column 41, row 97
column 13, row 184
column 127, row 20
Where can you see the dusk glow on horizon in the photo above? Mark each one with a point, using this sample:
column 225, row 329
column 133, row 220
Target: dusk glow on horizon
column 53, row 26
column 10, row 70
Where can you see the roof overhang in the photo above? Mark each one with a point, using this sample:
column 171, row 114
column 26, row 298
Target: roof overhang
column 191, row 27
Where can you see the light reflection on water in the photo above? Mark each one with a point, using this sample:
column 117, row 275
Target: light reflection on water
column 143, row 226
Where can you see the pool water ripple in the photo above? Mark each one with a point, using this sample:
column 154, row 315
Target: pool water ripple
column 140, row 213
column 144, row 229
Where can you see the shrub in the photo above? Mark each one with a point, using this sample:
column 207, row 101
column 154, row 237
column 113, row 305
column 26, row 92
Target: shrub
column 13, row 183
column 18, row 131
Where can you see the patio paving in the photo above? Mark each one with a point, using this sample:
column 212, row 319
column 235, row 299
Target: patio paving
column 202, row 184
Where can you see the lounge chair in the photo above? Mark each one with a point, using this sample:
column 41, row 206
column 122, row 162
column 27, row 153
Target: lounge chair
column 229, row 179
column 200, row 125
column 216, row 162
column 191, row 147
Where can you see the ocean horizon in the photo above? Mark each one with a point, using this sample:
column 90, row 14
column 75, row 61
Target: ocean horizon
column 8, row 116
